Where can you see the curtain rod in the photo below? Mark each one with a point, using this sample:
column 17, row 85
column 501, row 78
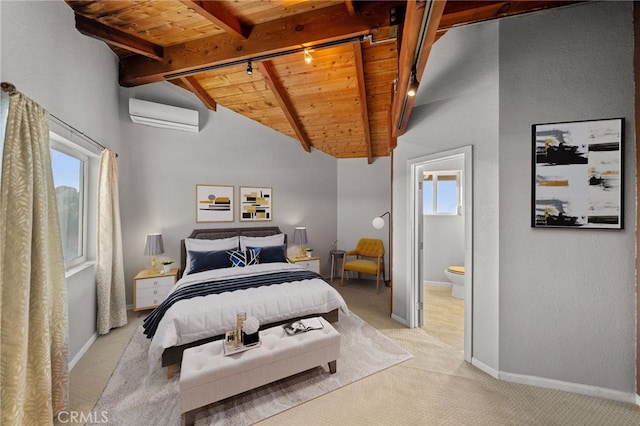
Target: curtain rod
column 11, row 90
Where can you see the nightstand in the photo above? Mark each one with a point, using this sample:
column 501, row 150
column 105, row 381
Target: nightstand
column 311, row 263
column 150, row 287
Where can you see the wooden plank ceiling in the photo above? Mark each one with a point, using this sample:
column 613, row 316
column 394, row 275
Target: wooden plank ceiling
column 350, row 101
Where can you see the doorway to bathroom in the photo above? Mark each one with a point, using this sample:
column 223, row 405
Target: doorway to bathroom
column 441, row 226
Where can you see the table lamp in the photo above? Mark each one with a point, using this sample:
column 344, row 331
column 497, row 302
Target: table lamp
column 300, row 239
column 154, row 247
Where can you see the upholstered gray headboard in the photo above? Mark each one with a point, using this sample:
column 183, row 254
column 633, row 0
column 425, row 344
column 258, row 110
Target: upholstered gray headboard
column 216, row 234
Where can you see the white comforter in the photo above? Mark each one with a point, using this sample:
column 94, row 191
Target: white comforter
column 200, row 317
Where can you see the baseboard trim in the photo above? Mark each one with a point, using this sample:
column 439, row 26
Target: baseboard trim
column 82, row 351
column 484, row 367
column 570, row 387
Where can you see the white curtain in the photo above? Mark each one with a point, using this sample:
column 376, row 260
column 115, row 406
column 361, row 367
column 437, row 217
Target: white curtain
column 34, row 373
column 112, row 306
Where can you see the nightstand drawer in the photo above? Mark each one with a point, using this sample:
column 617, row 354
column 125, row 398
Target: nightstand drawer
column 151, row 287
column 154, row 282
column 151, row 296
column 148, row 292
column 312, row 265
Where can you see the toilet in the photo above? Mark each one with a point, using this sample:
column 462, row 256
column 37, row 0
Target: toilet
column 455, row 274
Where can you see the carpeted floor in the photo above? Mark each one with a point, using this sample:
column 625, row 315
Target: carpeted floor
column 435, row 387
column 135, row 396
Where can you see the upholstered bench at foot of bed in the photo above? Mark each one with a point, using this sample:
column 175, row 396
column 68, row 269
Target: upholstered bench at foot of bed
column 207, row 376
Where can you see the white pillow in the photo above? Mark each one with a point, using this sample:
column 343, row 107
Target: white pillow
column 196, row 244
column 271, row 240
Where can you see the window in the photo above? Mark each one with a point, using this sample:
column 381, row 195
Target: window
column 69, row 168
column 442, row 194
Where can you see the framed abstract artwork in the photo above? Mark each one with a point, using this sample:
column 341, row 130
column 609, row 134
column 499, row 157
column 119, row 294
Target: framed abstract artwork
column 256, row 204
column 214, row 203
column 577, row 174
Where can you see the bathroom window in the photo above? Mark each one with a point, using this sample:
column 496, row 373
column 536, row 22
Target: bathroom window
column 442, row 194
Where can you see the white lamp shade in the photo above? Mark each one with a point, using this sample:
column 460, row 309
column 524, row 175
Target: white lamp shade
column 378, row 222
column 154, row 245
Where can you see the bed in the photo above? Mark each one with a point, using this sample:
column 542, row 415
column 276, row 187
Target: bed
column 204, row 302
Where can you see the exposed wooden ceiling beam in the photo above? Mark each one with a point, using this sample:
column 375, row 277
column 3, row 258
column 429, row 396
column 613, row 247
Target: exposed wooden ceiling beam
column 219, row 16
column 277, row 36
column 469, row 12
column 357, row 54
column 282, row 97
column 115, row 37
column 409, row 49
column 194, row 86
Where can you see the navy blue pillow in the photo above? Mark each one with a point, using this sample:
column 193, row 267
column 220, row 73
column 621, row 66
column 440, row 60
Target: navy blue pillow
column 206, row 260
column 273, row 254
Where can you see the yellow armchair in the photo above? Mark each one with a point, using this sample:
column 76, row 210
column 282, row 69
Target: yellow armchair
column 367, row 248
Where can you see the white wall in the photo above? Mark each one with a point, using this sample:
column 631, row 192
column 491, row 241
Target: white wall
column 363, row 193
column 75, row 79
column 567, row 297
column 459, row 97
column 164, row 166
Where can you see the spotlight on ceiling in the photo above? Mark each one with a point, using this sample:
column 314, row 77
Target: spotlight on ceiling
column 307, row 56
column 249, row 68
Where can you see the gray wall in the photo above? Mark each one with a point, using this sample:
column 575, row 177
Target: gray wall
column 567, row 297
column 560, row 323
column 458, row 106
column 75, row 78
column 363, row 193
column 71, row 76
column 163, row 167
column 557, row 324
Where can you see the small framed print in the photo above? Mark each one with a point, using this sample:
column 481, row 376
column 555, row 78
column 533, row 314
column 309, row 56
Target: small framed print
column 256, row 204
column 577, row 174
column 214, row 203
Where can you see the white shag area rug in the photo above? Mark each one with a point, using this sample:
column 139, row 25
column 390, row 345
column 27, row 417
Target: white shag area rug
column 135, row 396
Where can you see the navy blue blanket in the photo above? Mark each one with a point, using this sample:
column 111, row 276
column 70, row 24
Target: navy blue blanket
column 151, row 322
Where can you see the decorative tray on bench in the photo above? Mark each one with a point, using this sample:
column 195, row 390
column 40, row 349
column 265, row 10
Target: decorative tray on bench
column 241, row 348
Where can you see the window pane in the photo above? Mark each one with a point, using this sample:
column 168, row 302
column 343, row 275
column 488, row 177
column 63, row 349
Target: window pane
column 68, row 173
column 427, row 197
column 447, row 197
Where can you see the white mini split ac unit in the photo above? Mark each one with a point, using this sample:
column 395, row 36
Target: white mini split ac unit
column 165, row 116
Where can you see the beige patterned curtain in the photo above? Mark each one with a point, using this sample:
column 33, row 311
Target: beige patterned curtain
column 33, row 303
column 112, row 306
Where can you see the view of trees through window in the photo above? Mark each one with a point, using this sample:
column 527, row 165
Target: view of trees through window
column 68, row 179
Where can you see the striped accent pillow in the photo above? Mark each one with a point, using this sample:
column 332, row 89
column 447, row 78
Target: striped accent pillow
column 240, row 258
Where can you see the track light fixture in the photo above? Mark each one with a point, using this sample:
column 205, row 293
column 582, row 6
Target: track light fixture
column 249, row 67
column 307, row 56
column 413, row 85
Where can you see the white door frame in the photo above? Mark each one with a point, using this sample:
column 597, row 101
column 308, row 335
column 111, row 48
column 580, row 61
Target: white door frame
column 412, row 249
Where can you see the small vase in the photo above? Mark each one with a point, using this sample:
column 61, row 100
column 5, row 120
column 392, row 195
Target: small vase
column 309, row 253
column 166, row 268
